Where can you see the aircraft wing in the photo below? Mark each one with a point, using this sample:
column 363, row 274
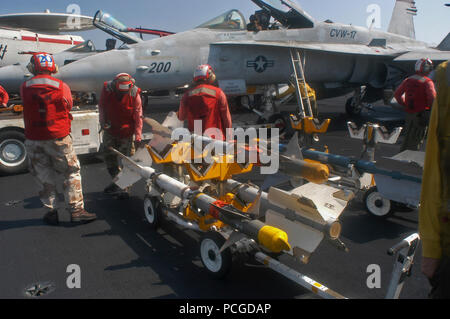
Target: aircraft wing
column 434, row 55
column 47, row 22
column 354, row 49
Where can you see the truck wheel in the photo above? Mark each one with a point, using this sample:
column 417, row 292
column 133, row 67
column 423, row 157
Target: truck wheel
column 152, row 211
column 283, row 123
column 351, row 108
column 376, row 204
column 13, row 154
column 217, row 264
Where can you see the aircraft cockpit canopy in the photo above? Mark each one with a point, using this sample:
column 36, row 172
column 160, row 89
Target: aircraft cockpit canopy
column 230, row 20
column 287, row 12
column 109, row 20
column 86, row 46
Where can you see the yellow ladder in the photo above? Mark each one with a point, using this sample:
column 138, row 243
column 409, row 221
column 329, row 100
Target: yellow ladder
column 300, row 83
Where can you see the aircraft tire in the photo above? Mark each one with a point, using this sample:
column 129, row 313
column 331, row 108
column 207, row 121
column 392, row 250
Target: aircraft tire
column 351, row 108
column 217, row 264
column 281, row 121
column 13, row 154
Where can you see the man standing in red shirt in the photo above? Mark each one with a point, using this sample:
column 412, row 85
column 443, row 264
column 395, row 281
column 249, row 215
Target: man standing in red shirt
column 4, row 97
column 207, row 104
column 47, row 103
column 121, row 115
column 417, row 94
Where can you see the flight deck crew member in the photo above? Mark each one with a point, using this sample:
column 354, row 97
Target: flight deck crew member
column 47, row 103
column 206, row 103
column 120, row 109
column 4, row 97
column 416, row 94
column 434, row 213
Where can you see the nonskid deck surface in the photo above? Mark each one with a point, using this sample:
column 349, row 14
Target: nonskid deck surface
column 121, row 257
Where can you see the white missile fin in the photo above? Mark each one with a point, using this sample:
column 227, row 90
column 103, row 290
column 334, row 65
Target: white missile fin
column 299, row 204
column 234, row 238
column 126, row 178
column 301, row 236
column 328, row 206
column 256, row 205
column 293, row 149
column 315, row 202
column 172, row 122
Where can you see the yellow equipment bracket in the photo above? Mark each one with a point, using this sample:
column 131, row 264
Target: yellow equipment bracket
column 175, row 153
column 309, row 125
column 204, row 222
column 221, row 169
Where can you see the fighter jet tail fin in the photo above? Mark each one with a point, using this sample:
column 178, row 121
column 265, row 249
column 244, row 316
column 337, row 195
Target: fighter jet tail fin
column 445, row 44
column 402, row 21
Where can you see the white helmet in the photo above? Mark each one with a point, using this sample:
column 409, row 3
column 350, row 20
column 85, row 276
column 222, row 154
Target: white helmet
column 424, row 66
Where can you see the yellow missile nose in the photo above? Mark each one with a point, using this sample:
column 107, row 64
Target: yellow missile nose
column 316, row 173
column 273, row 239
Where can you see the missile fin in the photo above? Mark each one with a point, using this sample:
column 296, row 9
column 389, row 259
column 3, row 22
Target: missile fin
column 293, row 149
column 234, row 238
column 256, row 205
column 274, row 180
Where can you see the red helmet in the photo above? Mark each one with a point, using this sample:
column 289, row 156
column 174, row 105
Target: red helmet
column 424, row 66
column 123, row 82
column 41, row 62
column 204, row 72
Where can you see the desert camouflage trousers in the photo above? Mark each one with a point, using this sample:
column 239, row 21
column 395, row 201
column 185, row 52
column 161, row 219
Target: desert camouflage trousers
column 123, row 145
column 50, row 161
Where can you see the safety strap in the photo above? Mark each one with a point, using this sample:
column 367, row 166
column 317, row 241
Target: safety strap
column 202, row 90
column 43, row 81
column 419, row 78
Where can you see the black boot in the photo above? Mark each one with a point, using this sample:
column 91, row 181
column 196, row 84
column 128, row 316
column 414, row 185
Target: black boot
column 51, row 218
column 112, row 189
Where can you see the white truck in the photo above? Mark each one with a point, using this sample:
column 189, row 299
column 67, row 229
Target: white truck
column 13, row 156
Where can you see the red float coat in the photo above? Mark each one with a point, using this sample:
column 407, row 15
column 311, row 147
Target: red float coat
column 47, row 102
column 208, row 104
column 419, row 93
column 122, row 112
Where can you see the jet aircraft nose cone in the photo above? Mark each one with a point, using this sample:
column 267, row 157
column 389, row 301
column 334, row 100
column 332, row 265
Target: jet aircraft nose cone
column 89, row 74
column 12, row 77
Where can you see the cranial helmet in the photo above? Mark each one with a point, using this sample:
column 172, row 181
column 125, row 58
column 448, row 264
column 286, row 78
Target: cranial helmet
column 123, row 82
column 42, row 62
column 424, row 66
column 205, row 73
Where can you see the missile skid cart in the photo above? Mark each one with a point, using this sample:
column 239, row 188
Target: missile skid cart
column 229, row 213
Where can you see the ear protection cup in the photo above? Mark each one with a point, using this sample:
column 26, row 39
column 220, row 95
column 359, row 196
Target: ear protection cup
column 123, row 82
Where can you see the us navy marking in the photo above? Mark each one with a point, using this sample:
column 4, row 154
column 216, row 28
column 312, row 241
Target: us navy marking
column 343, row 34
column 260, row 64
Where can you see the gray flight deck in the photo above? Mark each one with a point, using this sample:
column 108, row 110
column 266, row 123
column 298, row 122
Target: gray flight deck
column 121, row 257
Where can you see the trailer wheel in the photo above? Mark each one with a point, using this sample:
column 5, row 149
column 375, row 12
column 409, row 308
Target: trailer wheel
column 152, row 211
column 13, row 153
column 217, row 264
column 376, row 204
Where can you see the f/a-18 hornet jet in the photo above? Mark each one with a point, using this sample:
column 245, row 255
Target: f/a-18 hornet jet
column 337, row 57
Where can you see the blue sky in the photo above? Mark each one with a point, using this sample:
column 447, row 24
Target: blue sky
column 432, row 23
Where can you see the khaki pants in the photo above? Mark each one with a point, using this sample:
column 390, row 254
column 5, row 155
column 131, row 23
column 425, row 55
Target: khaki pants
column 49, row 160
column 123, row 145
